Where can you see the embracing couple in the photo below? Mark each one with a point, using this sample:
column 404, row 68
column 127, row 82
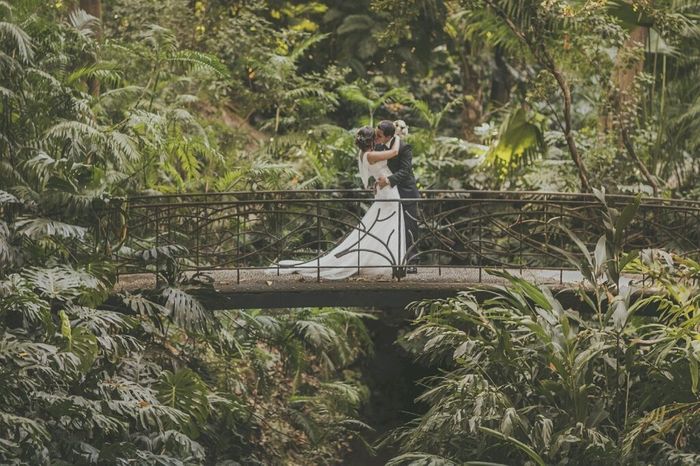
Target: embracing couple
column 384, row 240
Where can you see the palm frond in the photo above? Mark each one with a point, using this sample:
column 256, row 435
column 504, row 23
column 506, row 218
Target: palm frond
column 83, row 22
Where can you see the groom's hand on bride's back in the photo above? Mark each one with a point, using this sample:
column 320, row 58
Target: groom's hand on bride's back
column 382, row 181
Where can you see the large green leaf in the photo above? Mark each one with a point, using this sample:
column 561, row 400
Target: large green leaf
column 185, row 309
column 519, row 140
column 60, row 282
column 79, row 341
column 185, row 391
column 41, row 228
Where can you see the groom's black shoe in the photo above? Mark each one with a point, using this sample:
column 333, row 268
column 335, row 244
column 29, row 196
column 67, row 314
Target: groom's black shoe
column 412, row 269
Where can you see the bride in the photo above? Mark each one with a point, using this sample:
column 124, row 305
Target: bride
column 377, row 245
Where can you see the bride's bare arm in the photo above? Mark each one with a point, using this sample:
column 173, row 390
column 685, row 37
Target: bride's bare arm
column 375, row 156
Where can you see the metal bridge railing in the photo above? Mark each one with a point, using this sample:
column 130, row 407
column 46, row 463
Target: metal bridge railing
column 480, row 229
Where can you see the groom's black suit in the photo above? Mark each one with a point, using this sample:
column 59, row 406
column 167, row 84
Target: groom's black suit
column 402, row 177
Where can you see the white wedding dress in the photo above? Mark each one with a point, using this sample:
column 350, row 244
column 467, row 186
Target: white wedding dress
column 373, row 247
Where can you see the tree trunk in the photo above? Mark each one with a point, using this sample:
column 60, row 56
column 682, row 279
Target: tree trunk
column 473, row 95
column 623, row 74
column 624, row 101
column 568, row 134
column 633, row 155
column 94, row 8
column 622, row 78
column 501, row 80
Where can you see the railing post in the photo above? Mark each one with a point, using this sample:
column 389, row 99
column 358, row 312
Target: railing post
column 439, row 263
column 244, row 225
column 439, row 207
column 685, row 221
column 276, row 208
column 520, row 240
column 546, row 226
column 277, row 230
column 197, row 239
column 360, row 231
column 401, row 260
column 318, row 238
column 481, row 221
column 157, row 246
column 111, row 224
column 238, row 245
column 561, row 240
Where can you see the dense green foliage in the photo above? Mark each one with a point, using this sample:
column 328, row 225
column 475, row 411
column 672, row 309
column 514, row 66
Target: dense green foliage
column 567, row 95
column 528, row 379
column 212, row 95
column 91, row 377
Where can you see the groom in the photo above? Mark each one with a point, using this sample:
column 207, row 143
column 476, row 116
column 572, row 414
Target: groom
column 402, row 177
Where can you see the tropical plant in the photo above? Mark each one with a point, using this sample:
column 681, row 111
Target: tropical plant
column 371, row 99
column 524, row 378
column 91, row 375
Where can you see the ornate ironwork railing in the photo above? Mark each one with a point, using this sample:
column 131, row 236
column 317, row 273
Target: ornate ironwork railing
column 249, row 230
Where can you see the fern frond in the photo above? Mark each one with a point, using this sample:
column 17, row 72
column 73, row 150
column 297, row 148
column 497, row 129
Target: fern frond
column 424, row 459
column 47, row 78
column 7, row 7
column 300, row 48
column 6, row 93
column 41, row 165
column 160, row 38
column 9, row 253
column 354, row 94
column 104, row 71
column 122, row 92
column 74, row 130
column 355, row 23
column 122, row 146
column 199, row 61
column 7, row 198
column 22, row 42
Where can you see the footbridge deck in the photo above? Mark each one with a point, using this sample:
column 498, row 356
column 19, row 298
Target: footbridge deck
column 231, row 237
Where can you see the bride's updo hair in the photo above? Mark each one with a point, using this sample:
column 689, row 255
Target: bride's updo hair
column 364, row 138
column 401, row 128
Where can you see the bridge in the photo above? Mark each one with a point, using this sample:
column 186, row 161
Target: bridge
column 229, row 240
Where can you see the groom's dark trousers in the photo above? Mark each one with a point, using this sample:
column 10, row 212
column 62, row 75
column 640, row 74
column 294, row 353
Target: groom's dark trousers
column 402, row 177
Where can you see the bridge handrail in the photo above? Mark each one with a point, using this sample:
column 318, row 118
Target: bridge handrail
column 427, row 196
